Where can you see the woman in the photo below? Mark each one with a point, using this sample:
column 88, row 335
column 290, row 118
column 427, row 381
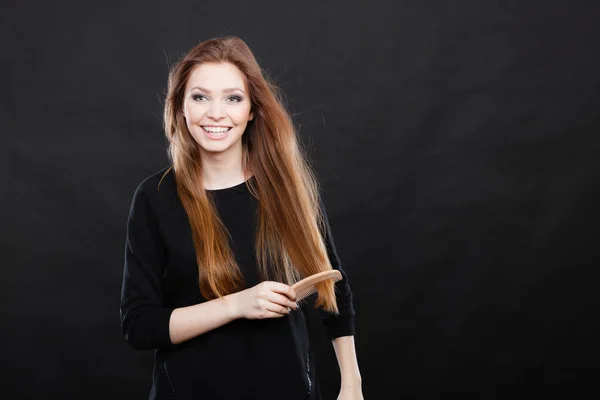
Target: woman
column 215, row 242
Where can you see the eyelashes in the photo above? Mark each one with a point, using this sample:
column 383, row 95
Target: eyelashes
column 198, row 97
column 229, row 99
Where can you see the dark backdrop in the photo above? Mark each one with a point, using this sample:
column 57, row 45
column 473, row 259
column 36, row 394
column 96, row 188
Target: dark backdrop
column 456, row 144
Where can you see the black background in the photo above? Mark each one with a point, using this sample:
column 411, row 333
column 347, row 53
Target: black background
column 456, row 144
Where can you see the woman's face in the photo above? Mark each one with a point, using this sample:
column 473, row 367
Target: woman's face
column 217, row 108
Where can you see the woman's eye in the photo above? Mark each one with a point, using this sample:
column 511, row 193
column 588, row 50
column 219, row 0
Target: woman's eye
column 198, row 97
column 235, row 99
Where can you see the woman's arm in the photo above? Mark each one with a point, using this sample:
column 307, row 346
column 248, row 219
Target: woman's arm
column 144, row 317
column 265, row 300
column 340, row 327
column 189, row 322
column 351, row 380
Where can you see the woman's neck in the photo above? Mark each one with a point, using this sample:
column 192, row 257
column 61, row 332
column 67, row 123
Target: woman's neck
column 220, row 172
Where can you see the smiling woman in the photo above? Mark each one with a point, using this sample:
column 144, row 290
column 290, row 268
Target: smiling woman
column 216, row 241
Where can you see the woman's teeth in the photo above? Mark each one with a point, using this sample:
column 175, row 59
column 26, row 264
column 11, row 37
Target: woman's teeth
column 212, row 129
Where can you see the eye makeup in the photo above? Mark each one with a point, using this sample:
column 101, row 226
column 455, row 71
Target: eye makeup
column 231, row 99
column 235, row 99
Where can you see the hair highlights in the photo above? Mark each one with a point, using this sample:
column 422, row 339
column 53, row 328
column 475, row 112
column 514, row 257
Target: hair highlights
column 290, row 243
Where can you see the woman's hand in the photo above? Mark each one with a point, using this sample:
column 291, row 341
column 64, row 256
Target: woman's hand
column 266, row 300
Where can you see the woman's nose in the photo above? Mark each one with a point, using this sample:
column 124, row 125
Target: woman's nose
column 216, row 111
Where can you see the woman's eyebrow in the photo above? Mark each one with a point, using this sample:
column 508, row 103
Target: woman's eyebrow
column 229, row 90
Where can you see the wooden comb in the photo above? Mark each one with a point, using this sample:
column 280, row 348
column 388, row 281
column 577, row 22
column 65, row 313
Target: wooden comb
column 307, row 286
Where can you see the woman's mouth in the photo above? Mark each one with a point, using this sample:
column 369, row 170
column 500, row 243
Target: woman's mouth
column 216, row 132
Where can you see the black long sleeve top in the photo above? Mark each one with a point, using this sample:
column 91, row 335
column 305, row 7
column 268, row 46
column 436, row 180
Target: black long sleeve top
column 245, row 359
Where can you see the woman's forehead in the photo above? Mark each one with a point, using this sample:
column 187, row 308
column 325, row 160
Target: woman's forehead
column 217, row 77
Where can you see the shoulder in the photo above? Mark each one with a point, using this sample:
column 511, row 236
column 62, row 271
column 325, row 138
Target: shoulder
column 153, row 184
column 158, row 189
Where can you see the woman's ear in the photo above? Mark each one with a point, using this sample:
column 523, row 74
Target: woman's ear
column 251, row 116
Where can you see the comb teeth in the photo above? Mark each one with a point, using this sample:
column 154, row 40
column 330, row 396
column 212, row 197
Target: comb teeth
column 302, row 294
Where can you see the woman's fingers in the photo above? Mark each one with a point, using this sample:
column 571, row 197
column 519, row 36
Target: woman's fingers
column 277, row 309
column 283, row 289
column 281, row 300
column 271, row 314
column 269, row 300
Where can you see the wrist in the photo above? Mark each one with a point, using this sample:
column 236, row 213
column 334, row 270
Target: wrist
column 231, row 304
column 351, row 380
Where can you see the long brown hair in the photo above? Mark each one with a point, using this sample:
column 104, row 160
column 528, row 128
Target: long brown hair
column 289, row 242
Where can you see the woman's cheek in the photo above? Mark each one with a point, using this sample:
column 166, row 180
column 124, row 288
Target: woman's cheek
column 242, row 114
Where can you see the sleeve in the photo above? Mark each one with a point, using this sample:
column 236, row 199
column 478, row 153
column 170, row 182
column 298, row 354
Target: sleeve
column 144, row 320
column 341, row 324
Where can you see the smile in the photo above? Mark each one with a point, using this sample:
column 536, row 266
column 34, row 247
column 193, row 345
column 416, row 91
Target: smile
column 216, row 129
